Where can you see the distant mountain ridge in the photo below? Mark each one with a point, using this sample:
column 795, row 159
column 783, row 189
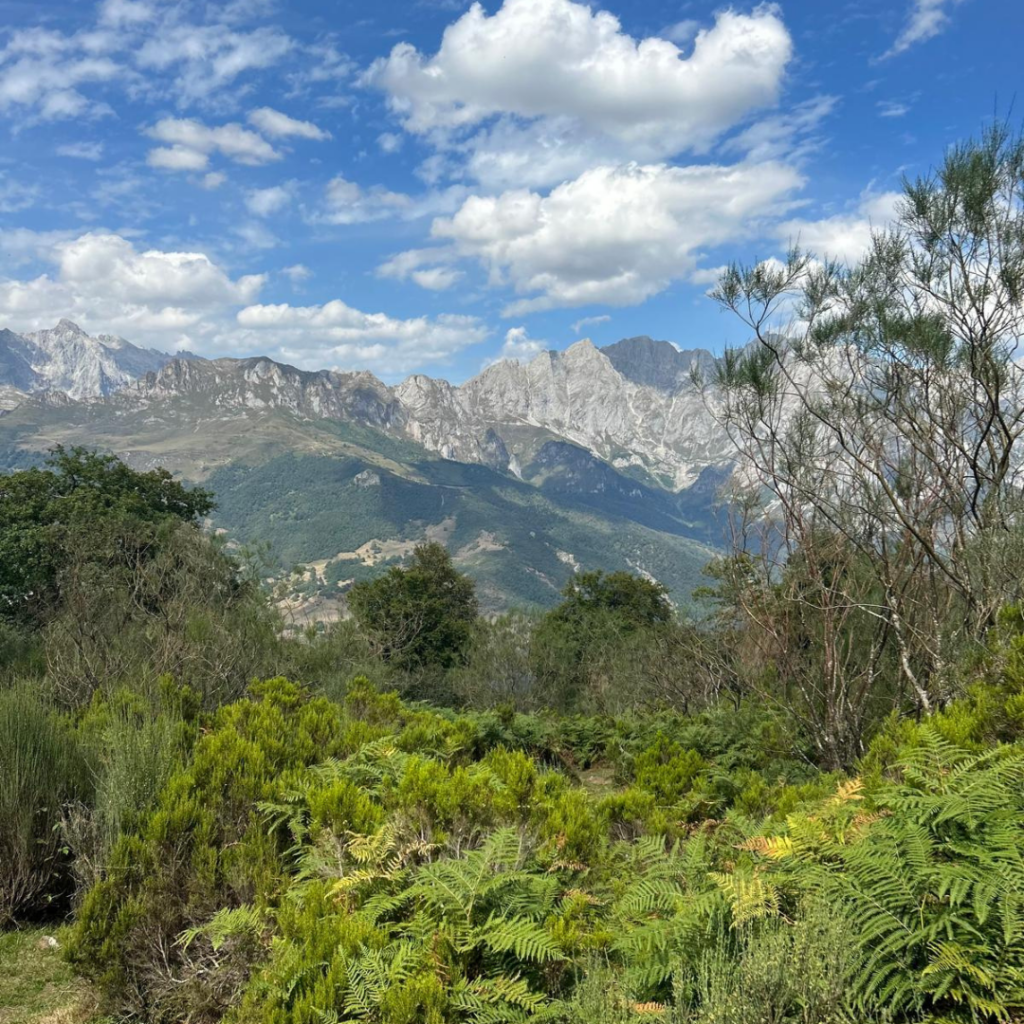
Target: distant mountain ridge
column 68, row 359
column 587, row 458
column 631, row 404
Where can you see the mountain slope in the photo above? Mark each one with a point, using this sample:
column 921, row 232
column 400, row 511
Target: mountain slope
column 68, row 360
column 578, row 459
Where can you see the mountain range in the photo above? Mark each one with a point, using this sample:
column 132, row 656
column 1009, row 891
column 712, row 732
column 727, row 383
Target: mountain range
column 68, row 360
column 587, row 458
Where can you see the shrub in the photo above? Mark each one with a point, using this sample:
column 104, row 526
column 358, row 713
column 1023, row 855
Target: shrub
column 203, row 850
column 41, row 770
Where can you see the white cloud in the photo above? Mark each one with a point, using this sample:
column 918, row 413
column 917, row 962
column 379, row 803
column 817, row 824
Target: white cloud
column 177, row 158
column 588, row 321
column 213, row 180
column 437, row 279
column 844, row 236
column 614, row 235
column 81, row 150
column 389, row 142
column 337, row 334
column 430, row 268
column 519, row 346
column 104, row 280
column 264, row 202
column 927, row 19
column 280, row 126
column 14, row 195
column 892, row 108
column 126, row 12
column 22, row 245
column 297, row 273
column 42, row 71
column 189, row 144
column 209, row 57
column 574, row 70
column 791, row 135
column 349, row 203
column 255, row 235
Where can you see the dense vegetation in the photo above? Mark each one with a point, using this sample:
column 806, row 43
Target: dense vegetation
column 806, row 807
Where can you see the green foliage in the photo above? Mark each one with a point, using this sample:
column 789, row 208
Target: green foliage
column 381, row 862
column 636, row 601
column 202, row 850
column 576, row 646
column 41, row 769
column 419, row 617
column 83, row 506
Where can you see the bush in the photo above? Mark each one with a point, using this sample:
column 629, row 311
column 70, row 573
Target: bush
column 41, row 770
column 203, row 850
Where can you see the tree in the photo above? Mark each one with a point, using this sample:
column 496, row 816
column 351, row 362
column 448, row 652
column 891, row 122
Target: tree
column 82, row 507
column 420, row 617
column 577, row 643
column 878, row 415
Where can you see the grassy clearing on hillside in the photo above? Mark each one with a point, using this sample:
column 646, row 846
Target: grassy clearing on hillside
column 37, row 986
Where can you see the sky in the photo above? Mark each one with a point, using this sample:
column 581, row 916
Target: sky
column 430, row 186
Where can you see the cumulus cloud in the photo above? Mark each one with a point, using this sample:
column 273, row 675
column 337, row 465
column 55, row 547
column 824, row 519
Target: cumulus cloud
column 518, row 345
column 189, row 143
column 843, row 236
column 280, row 126
column 927, row 19
column 337, row 334
column 346, row 202
column 429, row 268
column 614, row 235
column 574, row 70
column 264, row 202
column 437, row 279
column 177, row 158
column 103, row 279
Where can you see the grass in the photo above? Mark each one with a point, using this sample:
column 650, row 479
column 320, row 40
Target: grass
column 38, row 987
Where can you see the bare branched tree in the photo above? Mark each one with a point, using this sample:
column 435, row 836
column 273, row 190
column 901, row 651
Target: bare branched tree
column 879, row 411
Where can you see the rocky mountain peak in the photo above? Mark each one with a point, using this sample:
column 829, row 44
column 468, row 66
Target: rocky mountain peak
column 630, row 404
column 69, row 327
column 656, row 364
column 67, row 359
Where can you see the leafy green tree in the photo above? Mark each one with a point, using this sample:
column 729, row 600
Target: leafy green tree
column 636, row 602
column 82, row 507
column 577, row 644
column 419, row 617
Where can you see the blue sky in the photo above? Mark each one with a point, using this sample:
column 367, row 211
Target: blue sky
column 426, row 186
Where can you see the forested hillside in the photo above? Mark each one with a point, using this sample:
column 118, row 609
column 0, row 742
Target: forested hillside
column 800, row 801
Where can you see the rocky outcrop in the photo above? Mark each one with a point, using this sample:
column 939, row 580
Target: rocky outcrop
column 66, row 359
